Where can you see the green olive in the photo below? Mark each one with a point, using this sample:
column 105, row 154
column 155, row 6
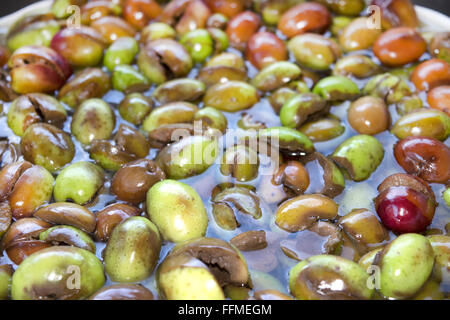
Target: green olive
column 175, row 112
column 6, row 272
column 231, row 96
column 122, row 51
column 240, row 162
column 275, row 75
column 199, row 44
column 177, row 210
column 297, row 109
column 135, row 107
column 337, row 88
column 127, row 79
column 179, row 90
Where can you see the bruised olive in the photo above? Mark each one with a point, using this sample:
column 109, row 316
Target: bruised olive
column 48, row 146
column 369, row 115
column 81, row 47
column 109, row 217
column 134, row 179
column 52, row 273
column 135, row 107
column 305, row 17
column 86, row 84
column 123, row 292
column 264, row 48
column 132, row 250
column 33, row 108
column 336, row 88
column 78, row 182
column 286, row 140
column 177, row 210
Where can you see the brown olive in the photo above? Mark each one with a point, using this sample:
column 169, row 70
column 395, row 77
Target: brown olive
column 113, row 28
column 369, row 115
column 185, row 15
column 439, row 98
column 264, row 48
column 430, row 74
column 110, row 217
column 138, row 13
column 396, row 13
column 241, row 28
column 293, row 176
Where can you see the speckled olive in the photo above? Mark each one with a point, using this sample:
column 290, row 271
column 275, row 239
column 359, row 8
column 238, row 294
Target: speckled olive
column 264, row 48
column 359, row 155
column 132, row 250
column 399, row 46
column 34, row 108
column 94, row 119
column 406, row 263
column 134, row 179
column 38, row 69
column 369, row 115
column 121, row 51
column 139, row 13
column 305, row 17
column 86, row 84
column 425, row 157
column 81, row 47
column 241, row 27
column 177, row 210
column 46, row 275
column 423, row 122
column 307, row 278
column 430, row 74
column 113, row 28
column 48, row 146
column 358, row 36
column 314, row 51
column 79, row 182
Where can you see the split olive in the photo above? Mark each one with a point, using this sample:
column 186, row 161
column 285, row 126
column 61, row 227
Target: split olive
column 177, row 210
column 286, row 140
column 94, row 119
column 409, row 104
column 186, row 16
column 132, row 250
column 300, row 108
column 359, row 155
column 240, row 162
column 387, row 86
column 67, row 235
column 406, row 263
column 52, row 273
column 313, row 279
column 78, row 182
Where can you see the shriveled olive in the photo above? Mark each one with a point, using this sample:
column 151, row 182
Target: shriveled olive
column 179, row 90
column 45, row 275
column 369, row 115
column 301, row 212
column 359, row 155
column 113, row 28
column 286, row 139
column 171, row 113
column 33, row 108
column 305, row 17
column 231, row 96
column 229, row 202
column 66, row 213
column 48, row 146
column 265, row 48
column 86, row 84
column 132, row 250
column 240, row 162
column 387, row 86
column 78, row 182
column 423, row 122
column 293, row 176
column 67, row 235
column 32, row 30
column 406, row 263
column 177, row 210
column 110, row 217
column 397, row 13
column 313, row 279
column 364, row 229
column 358, row 35
column 241, row 27
column 323, row 129
column 94, row 119
column 276, row 75
column 399, row 46
column 163, row 59
column 314, row 51
column 122, row 51
column 250, row 240
column 336, row 88
column 32, row 189
column 430, row 74
column 123, row 292
column 300, row 108
column 81, row 47
column 357, row 65
column 127, row 79
column 134, row 179
column 38, row 69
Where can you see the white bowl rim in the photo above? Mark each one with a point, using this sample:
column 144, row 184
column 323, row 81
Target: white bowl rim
column 431, row 20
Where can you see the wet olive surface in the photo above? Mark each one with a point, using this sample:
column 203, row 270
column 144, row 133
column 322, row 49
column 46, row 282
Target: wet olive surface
column 269, row 267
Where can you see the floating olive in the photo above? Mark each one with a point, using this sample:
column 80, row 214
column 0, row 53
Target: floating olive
column 139, row 13
column 212, row 118
column 199, row 44
column 440, row 46
column 6, row 272
column 113, row 28
column 78, row 182
column 175, row 112
column 323, row 129
column 45, row 275
column 397, row 13
column 177, row 210
column 241, row 28
column 185, row 16
column 48, row 146
column 110, row 217
column 430, row 74
column 387, row 86
column 357, row 65
column 286, row 139
column 94, row 119
column 157, row 30
column 359, row 155
column 439, row 98
column 347, row 7
column 293, row 176
column 67, row 235
column 132, row 250
column 250, row 240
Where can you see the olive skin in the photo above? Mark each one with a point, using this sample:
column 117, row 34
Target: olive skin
column 35, row 277
column 369, row 115
column 132, row 250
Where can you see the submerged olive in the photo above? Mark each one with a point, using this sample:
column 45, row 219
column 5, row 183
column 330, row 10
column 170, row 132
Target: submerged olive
column 240, row 162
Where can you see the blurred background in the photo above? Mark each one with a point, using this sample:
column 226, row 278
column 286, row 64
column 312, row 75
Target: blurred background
column 10, row 6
